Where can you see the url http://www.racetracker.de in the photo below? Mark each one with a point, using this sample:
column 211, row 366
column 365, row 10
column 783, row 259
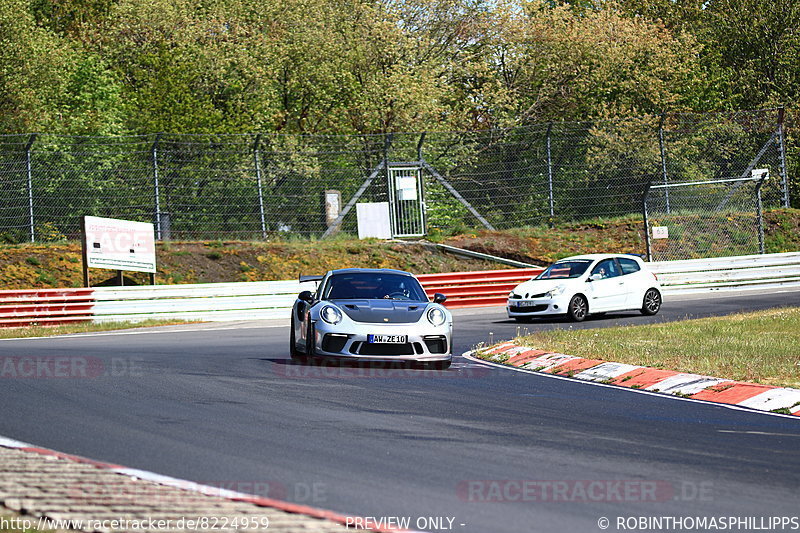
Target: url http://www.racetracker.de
column 699, row 523
column 199, row 523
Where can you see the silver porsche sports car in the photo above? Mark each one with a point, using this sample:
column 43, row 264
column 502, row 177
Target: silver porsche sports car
column 371, row 315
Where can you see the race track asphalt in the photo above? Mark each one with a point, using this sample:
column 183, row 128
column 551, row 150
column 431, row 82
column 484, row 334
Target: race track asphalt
column 222, row 404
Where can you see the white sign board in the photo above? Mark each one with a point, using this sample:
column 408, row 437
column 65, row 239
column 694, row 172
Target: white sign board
column 407, row 188
column 373, row 220
column 660, row 232
column 120, row 244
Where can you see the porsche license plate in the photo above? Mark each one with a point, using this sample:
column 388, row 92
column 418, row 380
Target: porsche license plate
column 387, row 339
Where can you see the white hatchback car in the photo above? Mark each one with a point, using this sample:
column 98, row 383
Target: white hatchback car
column 587, row 284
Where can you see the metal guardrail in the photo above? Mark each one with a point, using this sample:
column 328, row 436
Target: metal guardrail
column 45, row 306
column 728, row 273
column 257, row 300
column 476, row 289
column 273, row 299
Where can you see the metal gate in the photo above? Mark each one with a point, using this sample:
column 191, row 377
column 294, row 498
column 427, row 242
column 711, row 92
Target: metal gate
column 406, row 201
column 702, row 219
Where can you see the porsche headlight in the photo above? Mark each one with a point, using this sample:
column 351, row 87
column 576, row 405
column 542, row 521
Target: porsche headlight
column 556, row 291
column 436, row 316
column 330, row 314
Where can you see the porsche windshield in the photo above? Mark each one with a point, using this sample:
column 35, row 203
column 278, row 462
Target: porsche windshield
column 371, row 286
column 565, row 269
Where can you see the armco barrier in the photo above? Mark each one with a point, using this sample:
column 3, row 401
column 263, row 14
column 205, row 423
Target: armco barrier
column 45, row 306
column 207, row 302
column 273, row 299
column 476, row 289
column 728, row 273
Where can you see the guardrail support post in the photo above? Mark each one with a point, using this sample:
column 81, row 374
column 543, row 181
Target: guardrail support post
column 257, row 157
column 29, row 173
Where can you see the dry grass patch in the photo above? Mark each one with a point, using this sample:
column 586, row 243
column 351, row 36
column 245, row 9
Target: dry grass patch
column 760, row 347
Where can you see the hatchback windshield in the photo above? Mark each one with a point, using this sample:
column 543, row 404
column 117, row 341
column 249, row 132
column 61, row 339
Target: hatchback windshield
column 369, row 286
column 565, row 269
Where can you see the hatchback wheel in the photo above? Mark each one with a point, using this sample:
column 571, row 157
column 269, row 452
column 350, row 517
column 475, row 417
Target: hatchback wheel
column 578, row 308
column 651, row 303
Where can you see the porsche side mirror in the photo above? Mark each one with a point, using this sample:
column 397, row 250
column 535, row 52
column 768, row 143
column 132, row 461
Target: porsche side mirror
column 439, row 298
column 306, row 296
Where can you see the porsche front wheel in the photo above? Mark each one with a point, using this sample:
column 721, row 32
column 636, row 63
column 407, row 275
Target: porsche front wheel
column 293, row 351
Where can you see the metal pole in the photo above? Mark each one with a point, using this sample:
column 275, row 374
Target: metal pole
column 155, row 185
column 256, row 156
column 84, row 253
column 550, row 174
column 760, row 214
column 28, row 146
column 389, row 189
column 645, row 197
column 663, row 157
column 782, row 150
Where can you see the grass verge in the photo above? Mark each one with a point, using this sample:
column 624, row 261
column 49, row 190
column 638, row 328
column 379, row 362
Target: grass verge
column 82, row 327
column 759, row 347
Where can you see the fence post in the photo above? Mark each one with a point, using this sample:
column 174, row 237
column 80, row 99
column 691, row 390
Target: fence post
column 387, row 141
column 155, row 184
column 759, row 209
column 550, row 174
column 256, row 156
column 782, row 150
column 29, row 172
column 645, row 197
column 663, row 157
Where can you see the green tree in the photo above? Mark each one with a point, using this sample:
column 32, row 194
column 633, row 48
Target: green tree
column 190, row 67
column 33, row 62
column 552, row 63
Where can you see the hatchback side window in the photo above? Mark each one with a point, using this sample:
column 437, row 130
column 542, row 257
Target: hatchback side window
column 629, row 266
column 607, row 268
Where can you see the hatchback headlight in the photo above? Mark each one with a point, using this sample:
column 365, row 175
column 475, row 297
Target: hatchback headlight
column 436, row 316
column 556, row 291
column 330, row 314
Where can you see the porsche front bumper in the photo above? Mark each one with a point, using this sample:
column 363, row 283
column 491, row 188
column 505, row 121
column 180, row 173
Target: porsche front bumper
column 424, row 342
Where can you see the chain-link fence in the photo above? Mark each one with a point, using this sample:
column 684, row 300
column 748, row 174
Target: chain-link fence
column 259, row 186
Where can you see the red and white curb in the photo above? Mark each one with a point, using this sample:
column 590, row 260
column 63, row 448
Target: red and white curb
column 192, row 486
column 693, row 386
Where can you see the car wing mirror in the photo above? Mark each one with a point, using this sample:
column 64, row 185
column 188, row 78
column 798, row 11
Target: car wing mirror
column 439, row 298
column 306, row 296
column 594, row 277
